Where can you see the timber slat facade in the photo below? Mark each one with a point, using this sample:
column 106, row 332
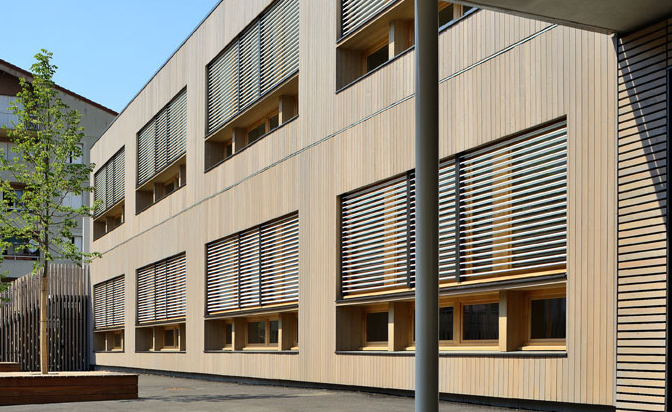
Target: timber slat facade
column 68, row 324
column 644, row 58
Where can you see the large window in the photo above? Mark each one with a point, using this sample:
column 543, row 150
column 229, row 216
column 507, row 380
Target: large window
column 254, row 268
column 257, row 61
column 109, row 192
column 108, row 314
column 502, row 214
column 162, row 290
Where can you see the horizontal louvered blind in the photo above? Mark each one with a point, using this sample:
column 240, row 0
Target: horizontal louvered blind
column 502, row 212
column 257, row 61
column 356, row 12
column 256, row 267
column 513, row 206
column 375, row 229
column 279, row 42
column 109, row 182
column 163, row 140
column 162, row 290
column 108, row 303
column 280, row 261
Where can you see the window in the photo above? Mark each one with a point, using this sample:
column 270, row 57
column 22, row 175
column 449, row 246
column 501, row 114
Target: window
column 480, row 322
column 513, row 220
column 257, row 61
column 228, row 335
column 109, row 184
column 263, row 333
column 256, row 332
column 117, row 340
column 170, row 337
column 547, row 320
column 21, row 249
column 167, row 337
column 446, row 324
column 254, row 268
column 162, row 290
column 376, row 330
column 373, row 32
column 276, row 331
column 77, row 158
column 108, row 303
column 14, row 202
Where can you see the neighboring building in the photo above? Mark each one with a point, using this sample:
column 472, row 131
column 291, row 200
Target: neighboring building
column 259, row 193
column 19, row 258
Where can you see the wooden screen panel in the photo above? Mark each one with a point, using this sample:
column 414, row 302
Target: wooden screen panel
column 109, row 182
column 644, row 59
column 222, row 274
column 223, row 87
column 280, row 261
column 279, row 42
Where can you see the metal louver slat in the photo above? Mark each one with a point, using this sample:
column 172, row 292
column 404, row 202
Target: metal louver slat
column 99, row 306
column 223, row 87
column 177, row 136
column 119, row 301
column 374, row 246
column 100, row 182
column 109, row 184
column 280, row 261
column 108, row 303
column 249, row 268
column 279, row 43
column 146, row 294
column 146, row 163
column 249, row 65
column 513, row 206
column 176, row 280
column 119, row 176
column 222, row 274
column 161, row 141
column 447, row 221
column 356, row 12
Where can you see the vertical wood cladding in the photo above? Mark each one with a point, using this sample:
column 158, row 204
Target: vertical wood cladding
column 643, row 61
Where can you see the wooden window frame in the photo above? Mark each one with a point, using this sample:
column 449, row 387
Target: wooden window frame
column 266, row 121
column 542, row 344
column 267, row 333
column 374, row 345
column 111, row 345
column 480, row 344
column 375, row 47
column 176, row 335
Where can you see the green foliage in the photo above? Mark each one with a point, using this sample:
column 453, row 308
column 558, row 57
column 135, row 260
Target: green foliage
column 46, row 136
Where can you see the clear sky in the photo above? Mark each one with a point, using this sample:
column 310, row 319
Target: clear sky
column 105, row 50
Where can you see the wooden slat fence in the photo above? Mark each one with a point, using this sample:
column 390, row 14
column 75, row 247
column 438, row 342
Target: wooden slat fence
column 68, row 306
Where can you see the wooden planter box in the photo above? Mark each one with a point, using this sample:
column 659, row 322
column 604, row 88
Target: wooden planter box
column 33, row 388
column 10, row 367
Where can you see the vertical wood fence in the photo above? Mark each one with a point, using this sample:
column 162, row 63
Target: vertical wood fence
column 68, row 312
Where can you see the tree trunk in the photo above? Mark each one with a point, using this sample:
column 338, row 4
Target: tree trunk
column 44, row 337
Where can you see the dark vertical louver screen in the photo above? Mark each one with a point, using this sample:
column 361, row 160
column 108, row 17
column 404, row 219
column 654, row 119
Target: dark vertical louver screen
column 356, row 12
column 164, row 139
column 162, row 290
column 257, row 267
column 109, row 182
column 257, row 61
column 108, row 303
column 502, row 211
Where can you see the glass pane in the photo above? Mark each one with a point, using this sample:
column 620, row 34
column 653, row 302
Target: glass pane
column 256, row 133
column 169, row 337
column 446, row 323
column 256, row 332
column 274, row 122
column 228, row 332
column 549, row 318
column 376, row 327
column 117, row 340
column 481, row 322
column 273, row 333
column 445, row 15
column 377, row 58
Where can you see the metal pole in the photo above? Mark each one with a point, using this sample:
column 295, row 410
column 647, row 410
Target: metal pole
column 427, row 206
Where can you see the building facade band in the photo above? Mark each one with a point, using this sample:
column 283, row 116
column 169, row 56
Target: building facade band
column 259, row 209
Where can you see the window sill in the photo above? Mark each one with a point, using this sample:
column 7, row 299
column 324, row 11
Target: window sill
column 109, row 351
column 157, row 202
column 462, row 353
column 175, row 351
column 267, row 352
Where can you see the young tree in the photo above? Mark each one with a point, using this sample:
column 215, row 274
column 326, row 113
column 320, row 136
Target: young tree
column 46, row 137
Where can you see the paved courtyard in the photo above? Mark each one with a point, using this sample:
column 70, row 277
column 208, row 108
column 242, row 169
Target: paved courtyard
column 160, row 393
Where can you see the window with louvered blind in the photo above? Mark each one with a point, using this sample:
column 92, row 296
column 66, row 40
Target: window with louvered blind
column 109, row 182
column 259, row 59
column 163, row 140
column 108, row 303
column 502, row 212
column 254, row 268
column 162, row 290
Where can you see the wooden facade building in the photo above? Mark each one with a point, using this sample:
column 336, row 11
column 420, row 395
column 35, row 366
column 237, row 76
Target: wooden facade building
column 258, row 216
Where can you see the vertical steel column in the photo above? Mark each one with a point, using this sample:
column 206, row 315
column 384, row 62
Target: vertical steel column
column 427, row 206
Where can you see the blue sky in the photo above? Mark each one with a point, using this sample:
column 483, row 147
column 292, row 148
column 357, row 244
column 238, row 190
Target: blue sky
column 105, row 50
